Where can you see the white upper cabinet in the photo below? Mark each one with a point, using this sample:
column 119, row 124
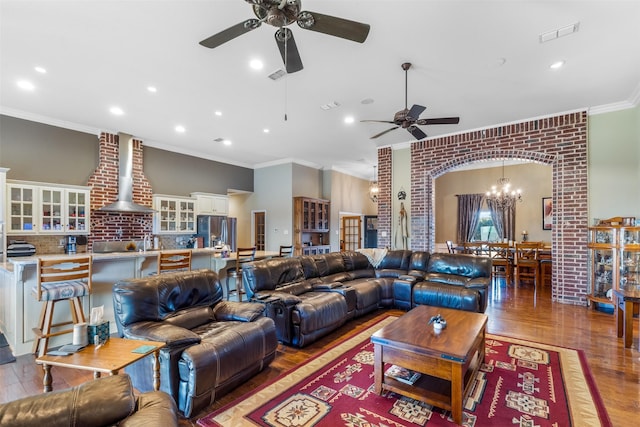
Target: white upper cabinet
column 211, row 204
column 34, row 208
column 174, row 215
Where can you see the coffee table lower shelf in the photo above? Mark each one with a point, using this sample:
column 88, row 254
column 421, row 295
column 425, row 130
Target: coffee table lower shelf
column 433, row 390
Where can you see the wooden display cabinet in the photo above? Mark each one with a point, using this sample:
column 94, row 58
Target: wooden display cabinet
column 310, row 226
column 614, row 260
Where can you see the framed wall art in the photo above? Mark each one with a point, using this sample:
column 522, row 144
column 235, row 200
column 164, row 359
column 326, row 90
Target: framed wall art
column 547, row 213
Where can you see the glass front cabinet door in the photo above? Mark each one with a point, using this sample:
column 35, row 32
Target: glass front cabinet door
column 629, row 256
column 603, row 262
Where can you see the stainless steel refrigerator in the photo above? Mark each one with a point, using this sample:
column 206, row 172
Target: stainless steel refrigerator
column 217, row 231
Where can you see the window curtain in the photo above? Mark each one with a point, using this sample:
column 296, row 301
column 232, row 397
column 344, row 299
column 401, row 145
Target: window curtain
column 504, row 221
column 469, row 206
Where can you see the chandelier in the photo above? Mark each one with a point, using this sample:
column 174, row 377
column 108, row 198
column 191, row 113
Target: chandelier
column 502, row 195
column 373, row 187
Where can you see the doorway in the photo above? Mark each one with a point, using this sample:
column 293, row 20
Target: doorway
column 351, row 236
column 259, row 230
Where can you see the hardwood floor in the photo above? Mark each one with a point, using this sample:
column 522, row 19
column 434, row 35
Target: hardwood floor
column 512, row 312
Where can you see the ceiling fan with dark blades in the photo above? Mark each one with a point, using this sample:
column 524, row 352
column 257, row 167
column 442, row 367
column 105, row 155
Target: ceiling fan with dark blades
column 280, row 14
column 409, row 118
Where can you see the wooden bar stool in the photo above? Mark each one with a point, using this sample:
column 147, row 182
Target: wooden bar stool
column 174, row 261
column 61, row 279
column 243, row 255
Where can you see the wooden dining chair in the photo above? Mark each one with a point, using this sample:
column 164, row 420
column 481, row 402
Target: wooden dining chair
column 174, row 261
column 285, row 251
column 527, row 262
column 450, row 247
column 502, row 260
column 243, row 255
column 60, row 279
column 546, row 265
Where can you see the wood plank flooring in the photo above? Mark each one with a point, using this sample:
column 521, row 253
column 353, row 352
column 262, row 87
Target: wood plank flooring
column 516, row 312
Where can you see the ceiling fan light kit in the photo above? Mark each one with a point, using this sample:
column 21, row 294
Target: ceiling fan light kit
column 409, row 117
column 280, row 14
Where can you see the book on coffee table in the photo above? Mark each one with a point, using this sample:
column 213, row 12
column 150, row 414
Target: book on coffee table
column 405, row 375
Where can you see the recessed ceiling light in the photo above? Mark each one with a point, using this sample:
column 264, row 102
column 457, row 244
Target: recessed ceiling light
column 226, row 142
column 556, row 65
column 265, row 130
column 152, row 89
column 40, row 70
column 349, row 119
column 116, row 111
column 26, row 85
column 180, row 129
column 256, row 64
column 218, row 113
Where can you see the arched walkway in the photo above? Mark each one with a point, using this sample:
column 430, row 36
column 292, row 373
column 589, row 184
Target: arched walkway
column 559, row 141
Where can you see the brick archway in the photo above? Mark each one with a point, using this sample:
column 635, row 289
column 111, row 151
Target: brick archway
column 559, row 141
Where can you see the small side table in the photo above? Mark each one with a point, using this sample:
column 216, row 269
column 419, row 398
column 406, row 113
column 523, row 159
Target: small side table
column 115, row 354
column 627, row 297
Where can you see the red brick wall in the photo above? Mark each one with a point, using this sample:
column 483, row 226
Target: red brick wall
column 559, row 141
column 104, row 190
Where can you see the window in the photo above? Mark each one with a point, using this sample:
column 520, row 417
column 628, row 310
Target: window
column 485, row 231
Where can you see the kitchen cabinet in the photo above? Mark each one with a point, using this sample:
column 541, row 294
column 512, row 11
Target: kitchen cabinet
column 211, row 204
column 614, row 260
column 34, row 208
column 310, row 226
column 174, row 215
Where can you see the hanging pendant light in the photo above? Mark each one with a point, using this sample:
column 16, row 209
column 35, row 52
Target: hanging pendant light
column 373, row 187
column 502, row 194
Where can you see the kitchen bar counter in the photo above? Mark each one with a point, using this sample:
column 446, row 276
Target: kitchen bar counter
column 19, row 310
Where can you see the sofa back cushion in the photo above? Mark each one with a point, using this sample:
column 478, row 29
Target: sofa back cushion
column 418, row 263
column 460, row 264
column 156, row 298
column 329, row 264
column 395, row 260
column 269, row 274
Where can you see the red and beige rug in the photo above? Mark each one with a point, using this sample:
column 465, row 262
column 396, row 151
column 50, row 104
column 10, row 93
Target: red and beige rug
column 521, row 383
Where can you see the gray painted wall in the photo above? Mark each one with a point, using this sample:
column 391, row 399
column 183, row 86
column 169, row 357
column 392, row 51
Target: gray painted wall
column 45, row 153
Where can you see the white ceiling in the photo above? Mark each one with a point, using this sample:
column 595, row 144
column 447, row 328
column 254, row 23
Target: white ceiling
column 100, row 54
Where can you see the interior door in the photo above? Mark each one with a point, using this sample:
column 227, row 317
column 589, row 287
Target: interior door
column 259, row 230
column 350, row 240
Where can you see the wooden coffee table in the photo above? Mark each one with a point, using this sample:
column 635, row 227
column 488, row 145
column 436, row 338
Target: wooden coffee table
column 448, row 360
column 111, row 357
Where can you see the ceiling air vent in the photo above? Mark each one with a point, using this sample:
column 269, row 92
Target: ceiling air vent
column 277, row 75
column 559, row 32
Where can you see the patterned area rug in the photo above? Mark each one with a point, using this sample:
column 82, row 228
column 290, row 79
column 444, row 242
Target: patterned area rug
column 521, row 383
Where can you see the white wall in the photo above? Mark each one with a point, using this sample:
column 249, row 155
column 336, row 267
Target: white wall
column 614, row 164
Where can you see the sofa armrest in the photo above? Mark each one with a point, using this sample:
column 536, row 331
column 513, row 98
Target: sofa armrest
column 327, row 286
column 155, row 408
column 171, row 335
column 408, row 278
column 238, row 311
column 478, row 283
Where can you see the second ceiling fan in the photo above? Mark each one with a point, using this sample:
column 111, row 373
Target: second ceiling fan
column 409, row 118
column 280, row 14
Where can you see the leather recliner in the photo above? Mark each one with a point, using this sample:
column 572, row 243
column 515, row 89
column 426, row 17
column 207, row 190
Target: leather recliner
column 212, row 345
column 105, row 401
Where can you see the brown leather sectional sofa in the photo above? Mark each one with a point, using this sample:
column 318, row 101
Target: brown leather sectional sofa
column 310, row 296
column 212, row 345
